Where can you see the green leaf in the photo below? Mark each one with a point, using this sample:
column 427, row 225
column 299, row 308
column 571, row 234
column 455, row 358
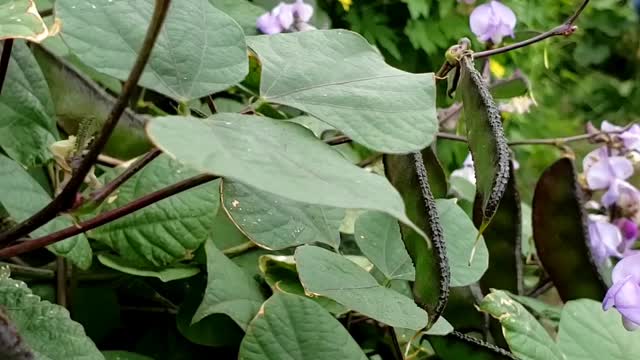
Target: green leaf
column 503, row 239
column 27, row 125
column 164, row 274
column 294, row 327
column 45, row 327
column 167, row 231
column 25, row 198
column 408, row 173
column 229, row 290
column 458, row 346
column 76, row 98
column 487, row 143
column 11, row 345
column 107, row 36
column 275, row 223
column 460, row 236
column 378, row 237
column 242, row 11
column 274, row 156
column 527, row 339
column 538, row 307
column 418, row 8
column 462, row 188
column 325, row 273
column 560, row 233
column 517, row 85
column 336, row 76
column 20, row 19
column 589, row 333
column 215, row 330
column 123, row 355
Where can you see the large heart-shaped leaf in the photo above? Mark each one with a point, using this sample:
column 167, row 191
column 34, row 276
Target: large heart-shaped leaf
column 589, row 333
column 23, row 196
column 45, row 327
column 27, row 125
column 229, row 290
column 338, row 77
column 20, row 19
column 503, row 238
column 487, row 143
column 325, row 273
column 526, row 337
column 275, row 223
column 378, row 237
column 200, row 50
column 76, row 99
column 460, row 236
column 294, row 327
column 167, row 231
column 560, row 233
column 274, row 156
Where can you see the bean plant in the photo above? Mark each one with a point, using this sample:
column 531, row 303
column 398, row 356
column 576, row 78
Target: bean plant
column 203, row 179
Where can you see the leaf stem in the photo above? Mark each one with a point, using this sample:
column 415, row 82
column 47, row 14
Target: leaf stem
column 104, row 218
column 65, row 200
column 565, row 29
column 29, row 272
column 4, row 61
column 98, row 196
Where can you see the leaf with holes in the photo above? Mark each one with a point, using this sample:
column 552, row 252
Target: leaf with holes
column 338, row 77
column 275, row 223
column 25, row 198
column 46, row 328
column 325, row 273
column 200, row 50
column 277, row 157
column 487, row 143
column 167, row 231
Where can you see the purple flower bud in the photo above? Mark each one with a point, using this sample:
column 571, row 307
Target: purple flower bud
column 624, row 294
column 604, row 240
column 628, row 228
column 492, row 21
column 302, row 12
column 284, row 13
column 268, row 24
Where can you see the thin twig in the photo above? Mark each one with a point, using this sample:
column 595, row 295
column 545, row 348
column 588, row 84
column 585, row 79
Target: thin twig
column 397, row 350
column 109, row 216
column 239, row 249
column 109, row 161
column 340, row 139
column 211, row 104
column 29, row 272
column 61, row 281
column 566, row 29
column 4, row 61
column 67, row 196
column 98, row 196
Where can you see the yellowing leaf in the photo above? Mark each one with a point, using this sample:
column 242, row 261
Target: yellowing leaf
column 19, row 19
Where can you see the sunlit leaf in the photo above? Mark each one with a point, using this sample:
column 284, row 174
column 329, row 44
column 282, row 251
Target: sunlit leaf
column 338, row 77
column 325, row 273
column 200, row 50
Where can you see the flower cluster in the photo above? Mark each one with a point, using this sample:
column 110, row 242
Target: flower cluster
column 613, row 223
column 492, row 21
column 286, row 18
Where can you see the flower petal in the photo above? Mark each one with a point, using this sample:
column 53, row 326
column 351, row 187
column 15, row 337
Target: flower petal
column 628, row 266
column 599, row 175
column 302, row 11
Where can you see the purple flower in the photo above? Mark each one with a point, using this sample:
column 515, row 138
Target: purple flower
column 605, row 240
column 604, row 172
column 284, row 16
column 624, row 294
column 492, row 21
column 630, row 138
column 628, row 228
